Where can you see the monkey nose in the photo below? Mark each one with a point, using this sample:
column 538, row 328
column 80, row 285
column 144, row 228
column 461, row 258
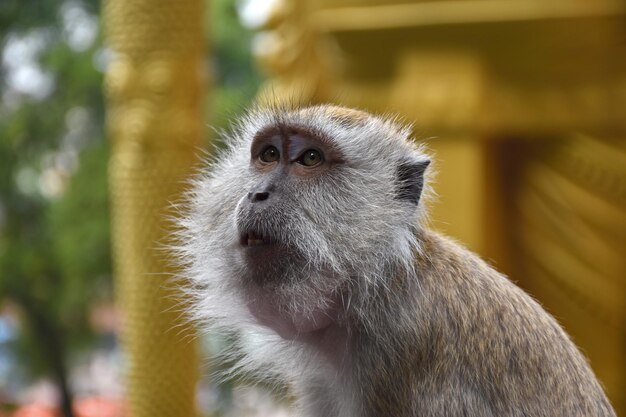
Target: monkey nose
column 256, row 197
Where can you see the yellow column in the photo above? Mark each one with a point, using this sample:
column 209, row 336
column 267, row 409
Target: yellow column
column 571, row 238
column 154, row 90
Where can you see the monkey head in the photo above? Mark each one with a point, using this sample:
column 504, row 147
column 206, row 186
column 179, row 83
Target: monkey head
column 300, row 215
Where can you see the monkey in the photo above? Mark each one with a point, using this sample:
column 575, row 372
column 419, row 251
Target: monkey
column 308, row 236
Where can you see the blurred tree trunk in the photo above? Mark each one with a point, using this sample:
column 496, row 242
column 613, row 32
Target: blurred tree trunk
column 50, row 340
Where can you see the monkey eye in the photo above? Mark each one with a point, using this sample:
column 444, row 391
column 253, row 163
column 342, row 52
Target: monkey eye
column 270, row 154
column 310, row 158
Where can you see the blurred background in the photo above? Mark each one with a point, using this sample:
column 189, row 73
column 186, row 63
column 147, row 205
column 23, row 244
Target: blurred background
column 105, row 109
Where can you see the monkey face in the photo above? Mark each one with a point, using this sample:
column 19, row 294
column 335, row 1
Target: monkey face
column 301, row 205
column 277, row 238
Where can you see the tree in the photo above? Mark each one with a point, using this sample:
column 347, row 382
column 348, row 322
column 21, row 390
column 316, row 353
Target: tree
column 54, row 249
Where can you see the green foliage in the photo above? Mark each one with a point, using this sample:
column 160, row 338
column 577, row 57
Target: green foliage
column 54, row 228
column 79, row 225
column 236, row 78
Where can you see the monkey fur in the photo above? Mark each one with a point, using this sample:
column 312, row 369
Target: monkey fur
column 307, row 237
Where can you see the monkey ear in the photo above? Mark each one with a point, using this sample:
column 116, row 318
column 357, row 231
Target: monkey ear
column 410, row 179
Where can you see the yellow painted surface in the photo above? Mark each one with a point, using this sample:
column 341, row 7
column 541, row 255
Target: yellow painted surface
column 457, row 208
column 154, row 91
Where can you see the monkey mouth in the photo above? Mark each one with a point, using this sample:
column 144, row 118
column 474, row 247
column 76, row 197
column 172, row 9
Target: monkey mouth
column 255, row 238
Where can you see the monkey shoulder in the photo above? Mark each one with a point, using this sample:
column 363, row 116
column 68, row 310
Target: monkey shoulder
column 495, row 341
column 482, row 301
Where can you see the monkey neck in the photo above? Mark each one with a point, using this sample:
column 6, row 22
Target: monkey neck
column 322, row 329
column 353, row 313
column 289, row 325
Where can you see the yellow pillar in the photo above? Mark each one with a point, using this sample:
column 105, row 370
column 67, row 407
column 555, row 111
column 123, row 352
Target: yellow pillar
column 154, row 90
column 571, row 238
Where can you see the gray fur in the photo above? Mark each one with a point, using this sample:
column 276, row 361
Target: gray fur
column 419, row 325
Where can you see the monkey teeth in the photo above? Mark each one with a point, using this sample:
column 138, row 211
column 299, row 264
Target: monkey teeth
column 253, row 239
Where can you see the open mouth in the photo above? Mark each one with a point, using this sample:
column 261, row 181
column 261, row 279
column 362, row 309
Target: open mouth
column 255, row 238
